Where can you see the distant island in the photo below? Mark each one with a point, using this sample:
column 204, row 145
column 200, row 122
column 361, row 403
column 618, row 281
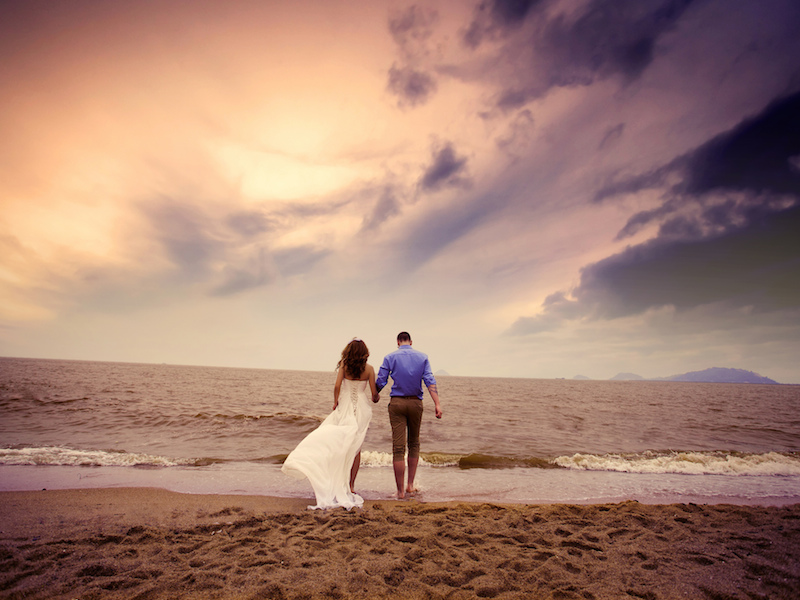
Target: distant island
column 441, row 372
column 712, row 375
column 626, row 377
column 722, row 375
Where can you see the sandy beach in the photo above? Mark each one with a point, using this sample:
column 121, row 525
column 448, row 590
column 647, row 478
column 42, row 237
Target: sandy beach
column 150, row 543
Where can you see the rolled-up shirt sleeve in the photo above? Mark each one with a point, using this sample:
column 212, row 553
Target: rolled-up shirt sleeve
column 427, row 375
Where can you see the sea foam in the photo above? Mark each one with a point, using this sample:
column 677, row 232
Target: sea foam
column 688, row 463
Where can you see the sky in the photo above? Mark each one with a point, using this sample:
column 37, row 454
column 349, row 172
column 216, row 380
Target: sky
column 531, row 188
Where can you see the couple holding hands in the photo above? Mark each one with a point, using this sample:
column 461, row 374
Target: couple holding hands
column 330, row 455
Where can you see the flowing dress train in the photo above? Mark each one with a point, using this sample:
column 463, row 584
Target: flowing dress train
column 326, row 455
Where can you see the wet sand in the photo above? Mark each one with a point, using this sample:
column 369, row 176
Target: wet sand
column 149, row 543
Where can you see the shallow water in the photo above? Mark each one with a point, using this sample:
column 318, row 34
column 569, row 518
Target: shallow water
column 223, row 430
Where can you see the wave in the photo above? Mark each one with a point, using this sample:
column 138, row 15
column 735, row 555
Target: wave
column 56, row 456
column 666, row 462
column 462, row 461
column 649, row 462
column 687, row 463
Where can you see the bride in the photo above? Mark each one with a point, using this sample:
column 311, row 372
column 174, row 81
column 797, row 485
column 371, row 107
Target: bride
column 330, row 455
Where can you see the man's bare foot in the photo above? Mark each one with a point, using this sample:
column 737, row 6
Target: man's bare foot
column 412, row 491
column 399, row 496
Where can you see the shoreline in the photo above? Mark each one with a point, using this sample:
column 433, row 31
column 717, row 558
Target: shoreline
column 151, row 543
column 517, row 486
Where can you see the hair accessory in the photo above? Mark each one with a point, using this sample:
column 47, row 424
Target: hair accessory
column 356, row 339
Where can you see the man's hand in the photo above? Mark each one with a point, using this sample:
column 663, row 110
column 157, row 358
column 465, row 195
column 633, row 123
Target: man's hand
column 434, row 392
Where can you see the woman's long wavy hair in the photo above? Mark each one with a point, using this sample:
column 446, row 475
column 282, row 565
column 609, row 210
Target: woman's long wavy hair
column 354, row 358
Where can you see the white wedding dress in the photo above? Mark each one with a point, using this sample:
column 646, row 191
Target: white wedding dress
column 326, row 454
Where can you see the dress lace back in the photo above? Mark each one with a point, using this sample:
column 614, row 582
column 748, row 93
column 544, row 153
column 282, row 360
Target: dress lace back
column 354, row 399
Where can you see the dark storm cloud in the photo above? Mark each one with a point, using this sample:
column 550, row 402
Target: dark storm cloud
column 753, row 165
column 491, row 19
column 446, row 169
column 607, row 38
column 755, row 267
column 755, row 156
column 729, row 231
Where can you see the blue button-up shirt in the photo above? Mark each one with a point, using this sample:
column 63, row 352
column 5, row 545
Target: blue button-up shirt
column 408, row 369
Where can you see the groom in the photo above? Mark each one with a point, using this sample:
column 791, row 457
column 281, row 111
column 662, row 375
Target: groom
column 408, row 369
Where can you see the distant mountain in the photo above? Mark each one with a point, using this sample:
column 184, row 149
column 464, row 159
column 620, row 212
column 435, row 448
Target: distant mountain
column 581, row 377
column 721, row 375
column 627, row 377
column 441, row 372
column 713, row 375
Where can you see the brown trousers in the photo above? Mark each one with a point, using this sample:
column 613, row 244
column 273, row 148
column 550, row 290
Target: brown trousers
column 405, row 413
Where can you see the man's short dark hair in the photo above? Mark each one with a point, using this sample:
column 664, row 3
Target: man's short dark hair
column 403, row 336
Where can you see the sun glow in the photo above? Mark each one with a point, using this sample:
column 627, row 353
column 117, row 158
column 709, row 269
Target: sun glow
column 277, row 176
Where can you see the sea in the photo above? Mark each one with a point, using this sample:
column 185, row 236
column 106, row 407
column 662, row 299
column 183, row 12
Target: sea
column 212, row 430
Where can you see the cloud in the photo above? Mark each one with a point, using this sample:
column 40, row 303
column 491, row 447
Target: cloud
column 491, row 19
column 612, row 135
column 736, row 176
column 256, row 273
column 442, row 226
column 519, row 135
column 446, row 169
column 298, row 260
column 727, row 231
column 185, row 231
column 753, row 266
column 387, row 206
column 228, row 250
column 263, row 267
column 756, row 156
column 546, row 48
column 250, row 223
column 411, row 86
column 557, row 307
column 411, row 30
